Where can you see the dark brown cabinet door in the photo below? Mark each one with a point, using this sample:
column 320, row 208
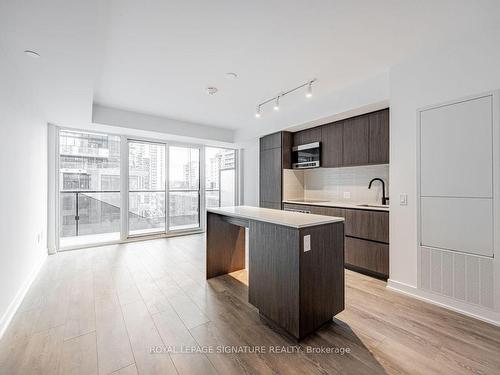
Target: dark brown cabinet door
column 286, row 150
column 367, row 256
column 270, row 141
column 307, row 136
column 369, row 225
column 356, row 134
column 270, row 176
column 332, row 145
column 379, row 137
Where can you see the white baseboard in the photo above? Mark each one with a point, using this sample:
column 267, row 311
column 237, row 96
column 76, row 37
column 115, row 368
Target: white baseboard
column 461, row 307
column 18, row 299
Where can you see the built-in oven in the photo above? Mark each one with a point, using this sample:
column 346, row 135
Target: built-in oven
column 306, row 156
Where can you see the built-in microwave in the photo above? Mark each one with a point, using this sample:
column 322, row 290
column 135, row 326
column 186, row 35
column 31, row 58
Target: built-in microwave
column 306, row 156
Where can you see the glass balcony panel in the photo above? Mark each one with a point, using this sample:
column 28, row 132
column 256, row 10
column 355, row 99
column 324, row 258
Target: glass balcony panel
column 146, row 212
column 184, row 212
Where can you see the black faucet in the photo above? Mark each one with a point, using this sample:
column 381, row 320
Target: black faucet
column 384, row 198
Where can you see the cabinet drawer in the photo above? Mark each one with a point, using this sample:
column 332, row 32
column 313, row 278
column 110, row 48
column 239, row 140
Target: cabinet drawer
column 372, row 257
column 328, row 211
column 368, row 225
column 297, row 207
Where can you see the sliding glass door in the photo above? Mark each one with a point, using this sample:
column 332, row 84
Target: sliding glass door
column 220, row 177
column 146, row 188
column 112, row 187
column 183, row 188
column 149, row 212
column 89, row 188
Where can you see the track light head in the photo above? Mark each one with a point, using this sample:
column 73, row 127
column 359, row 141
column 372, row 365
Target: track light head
column 277, row 104
column 258, row 112
column 309, row 90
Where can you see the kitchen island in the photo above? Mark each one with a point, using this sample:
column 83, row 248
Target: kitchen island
column 296, row 263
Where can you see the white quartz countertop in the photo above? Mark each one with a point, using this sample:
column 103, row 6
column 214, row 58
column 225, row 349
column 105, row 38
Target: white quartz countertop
column 355, row 205
column 286, row 218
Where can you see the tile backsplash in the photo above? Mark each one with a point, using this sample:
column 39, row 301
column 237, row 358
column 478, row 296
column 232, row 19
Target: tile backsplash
column 336, row 184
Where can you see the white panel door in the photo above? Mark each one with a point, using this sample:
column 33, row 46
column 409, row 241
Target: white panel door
column 456, row 156
column 461, row 224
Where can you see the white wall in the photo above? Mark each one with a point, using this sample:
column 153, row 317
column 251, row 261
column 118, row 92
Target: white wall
column 23, row 192
column 466, row 67
column 249, row 154
column 133, row 120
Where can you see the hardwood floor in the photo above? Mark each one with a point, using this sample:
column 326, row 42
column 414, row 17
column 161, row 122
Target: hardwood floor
column 101, row 310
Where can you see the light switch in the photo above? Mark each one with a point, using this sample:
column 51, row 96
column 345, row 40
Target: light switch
column 403, row 199
column 307, row 243
column 347, row 195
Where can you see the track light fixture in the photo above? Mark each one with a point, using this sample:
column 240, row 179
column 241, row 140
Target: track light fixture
column 257, row 112
column 277, row 104
column 277, row 98
column 309, row 91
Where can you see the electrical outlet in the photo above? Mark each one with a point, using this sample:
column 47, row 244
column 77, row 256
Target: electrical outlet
column 347, row 195
column 403, row 199
column 307, row 243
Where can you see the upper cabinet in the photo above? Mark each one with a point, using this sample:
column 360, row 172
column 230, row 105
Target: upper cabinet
column 270, row 141
column 364, row 139
column 360, row 140
column 307, row 136
column 332, row 145
column 378, row 149
column 356, row 140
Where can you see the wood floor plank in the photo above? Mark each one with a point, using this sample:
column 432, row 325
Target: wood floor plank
column 226, row 362
column 144, row 338
column 43, row 353
column 113, row 346
column 79, row 356
column 80, row 318
column 176, row 336
column 189, row 313
column 129, row 370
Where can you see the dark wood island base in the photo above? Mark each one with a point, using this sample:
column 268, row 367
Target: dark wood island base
column 295, row 289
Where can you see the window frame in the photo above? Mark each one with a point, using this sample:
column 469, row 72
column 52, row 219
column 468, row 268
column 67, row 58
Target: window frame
column 54, row 169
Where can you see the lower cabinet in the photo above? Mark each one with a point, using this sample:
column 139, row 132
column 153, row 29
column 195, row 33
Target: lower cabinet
column 367, row 256
column 366, row 237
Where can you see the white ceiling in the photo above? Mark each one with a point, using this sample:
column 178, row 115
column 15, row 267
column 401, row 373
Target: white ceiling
column 156, row 57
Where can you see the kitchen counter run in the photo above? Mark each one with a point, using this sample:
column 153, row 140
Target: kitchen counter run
column 357, row 206
column 286, row 218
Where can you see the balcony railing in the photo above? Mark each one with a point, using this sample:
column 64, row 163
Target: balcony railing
column 91, row 212
column 85, row 212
